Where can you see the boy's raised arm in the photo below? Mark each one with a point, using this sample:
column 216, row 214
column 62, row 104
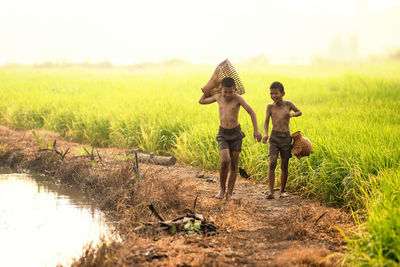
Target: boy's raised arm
column 266, row 124
column 207, row 100
column 297, row 111
column 253, row 116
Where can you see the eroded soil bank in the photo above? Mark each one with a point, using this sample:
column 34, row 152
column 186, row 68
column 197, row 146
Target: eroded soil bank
column 252, row 231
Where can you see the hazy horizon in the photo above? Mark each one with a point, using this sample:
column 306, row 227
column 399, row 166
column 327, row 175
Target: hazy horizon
column 128, row 32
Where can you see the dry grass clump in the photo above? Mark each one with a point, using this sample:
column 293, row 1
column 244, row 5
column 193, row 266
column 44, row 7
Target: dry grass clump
column 3, row 149
column 102, row 255
column 45, row 161
column 10, row 158
column 169, row 195
column 312, row 257
column 125, row 172
column 314, row 222
column 76, row 171
column 231, row 216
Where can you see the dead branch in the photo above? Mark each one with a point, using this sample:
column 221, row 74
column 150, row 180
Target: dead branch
column 191, row 222
column 195, row 202
column 154, row 211
column 101, row 160
column 54, row 149
column 319, row 218
column 64, row 154
column 136, row 168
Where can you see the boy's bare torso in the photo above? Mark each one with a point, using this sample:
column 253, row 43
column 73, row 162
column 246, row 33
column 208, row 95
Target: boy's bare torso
column 228, row 111
column 280, row 115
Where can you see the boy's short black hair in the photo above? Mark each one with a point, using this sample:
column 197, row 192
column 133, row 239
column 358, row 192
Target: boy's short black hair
column 277, row 85
column 228, row 82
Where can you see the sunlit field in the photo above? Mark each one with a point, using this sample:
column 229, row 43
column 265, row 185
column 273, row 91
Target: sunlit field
column 350, row 113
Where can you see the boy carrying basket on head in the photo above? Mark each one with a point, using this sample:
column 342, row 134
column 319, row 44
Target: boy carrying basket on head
column 280, row 139
column 230, row 135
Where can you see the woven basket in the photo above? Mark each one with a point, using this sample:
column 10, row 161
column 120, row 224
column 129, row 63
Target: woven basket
column 301, row 145
column 224, row 69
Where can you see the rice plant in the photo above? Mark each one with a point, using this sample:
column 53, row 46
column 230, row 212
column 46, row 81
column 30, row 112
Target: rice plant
column 350, row 113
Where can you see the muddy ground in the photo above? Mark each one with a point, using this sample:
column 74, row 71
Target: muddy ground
column 251, row 231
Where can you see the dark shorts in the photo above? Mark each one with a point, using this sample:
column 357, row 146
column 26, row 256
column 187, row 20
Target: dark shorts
column 280, row 142
column 230, row 138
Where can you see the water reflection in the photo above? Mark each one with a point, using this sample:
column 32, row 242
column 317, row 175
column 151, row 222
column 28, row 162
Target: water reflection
column 42, row 224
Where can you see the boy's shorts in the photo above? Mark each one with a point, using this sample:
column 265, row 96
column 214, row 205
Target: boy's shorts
column 280, row 142
column 230, row 138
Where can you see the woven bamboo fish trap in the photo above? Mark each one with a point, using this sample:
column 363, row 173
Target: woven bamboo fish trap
column 301, row 145
column 224, row 69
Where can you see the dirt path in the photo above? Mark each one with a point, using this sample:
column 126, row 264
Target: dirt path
column 252, row 231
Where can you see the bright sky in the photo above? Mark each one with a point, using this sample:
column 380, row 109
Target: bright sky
column 129, row 31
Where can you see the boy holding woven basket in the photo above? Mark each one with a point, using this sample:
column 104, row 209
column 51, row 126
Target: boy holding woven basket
column 280, row 139
column 230, row 135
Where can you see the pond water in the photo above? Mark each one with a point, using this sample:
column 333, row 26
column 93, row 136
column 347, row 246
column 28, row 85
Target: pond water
column 44, row 224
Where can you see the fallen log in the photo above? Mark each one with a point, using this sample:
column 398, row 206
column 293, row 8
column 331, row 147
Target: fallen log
column 151, row 158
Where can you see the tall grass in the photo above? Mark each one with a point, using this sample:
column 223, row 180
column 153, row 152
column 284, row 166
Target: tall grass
column 350, row 113
column 351, row 118
column 378, row 242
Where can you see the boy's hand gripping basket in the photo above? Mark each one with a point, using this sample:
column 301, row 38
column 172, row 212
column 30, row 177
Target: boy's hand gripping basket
column 223, row 70
column 301, row 145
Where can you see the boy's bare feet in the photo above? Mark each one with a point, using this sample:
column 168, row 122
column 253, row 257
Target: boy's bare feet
column 284, row 194
column 228, row 196
column 220, row 194
column 270, row 196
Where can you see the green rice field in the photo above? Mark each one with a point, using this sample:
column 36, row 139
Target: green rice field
column 351, row 113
